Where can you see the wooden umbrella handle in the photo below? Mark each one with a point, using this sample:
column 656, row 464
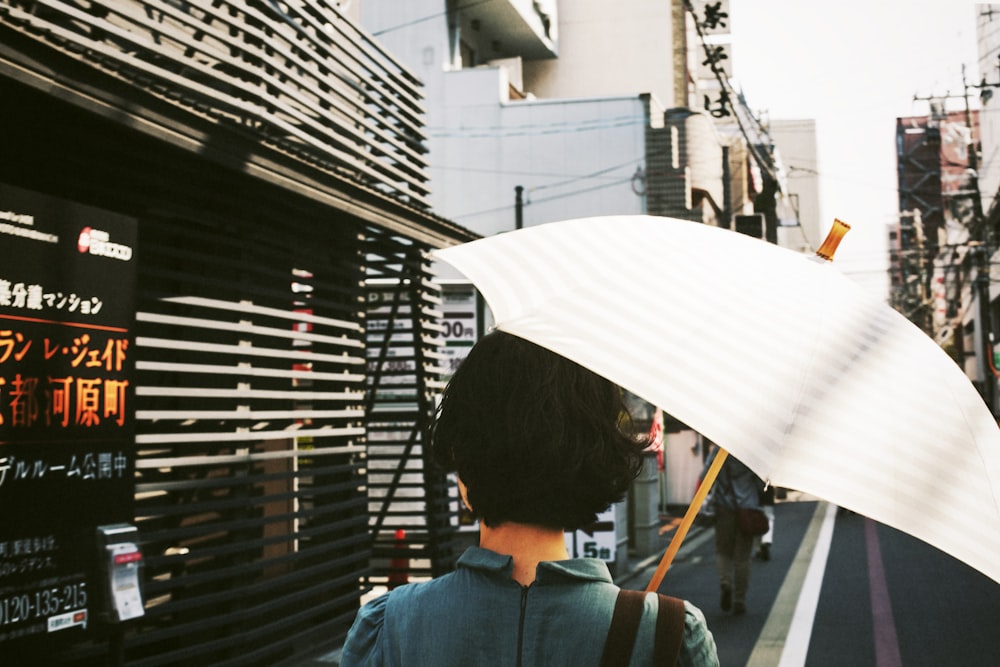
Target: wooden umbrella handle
column 692, row 512
column 833, row 239
column 826, row 251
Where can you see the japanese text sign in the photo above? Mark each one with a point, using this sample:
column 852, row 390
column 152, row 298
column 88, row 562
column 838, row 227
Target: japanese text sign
column 67, row 452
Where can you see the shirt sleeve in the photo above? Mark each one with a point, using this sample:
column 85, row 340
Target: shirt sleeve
column 698, row 649
column 362, row 646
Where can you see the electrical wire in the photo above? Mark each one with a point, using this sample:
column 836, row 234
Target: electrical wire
column 638, row 161
column 501, row 172
column 502, row 131
column 543, row 200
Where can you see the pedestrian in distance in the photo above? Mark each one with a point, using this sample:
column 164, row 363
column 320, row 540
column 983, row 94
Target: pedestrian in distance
column 735, row 488
column 540, row 445
column 766, row 498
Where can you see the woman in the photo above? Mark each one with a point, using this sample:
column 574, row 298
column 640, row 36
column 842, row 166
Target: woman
column 539, row 449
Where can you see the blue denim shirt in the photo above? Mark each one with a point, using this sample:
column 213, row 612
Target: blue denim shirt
column 478, row 615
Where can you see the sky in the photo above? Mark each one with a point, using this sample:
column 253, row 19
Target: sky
column 853, row 66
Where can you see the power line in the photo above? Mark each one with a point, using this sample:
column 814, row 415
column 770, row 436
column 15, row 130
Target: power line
column 500, row 172
column 543, row 200
column 639, row 161
column 502, row 131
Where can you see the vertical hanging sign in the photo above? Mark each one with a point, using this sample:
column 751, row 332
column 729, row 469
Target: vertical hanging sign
column 67, row 444
column 714, row 55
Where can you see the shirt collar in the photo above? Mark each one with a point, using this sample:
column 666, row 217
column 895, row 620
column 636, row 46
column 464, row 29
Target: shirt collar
column 549, row 572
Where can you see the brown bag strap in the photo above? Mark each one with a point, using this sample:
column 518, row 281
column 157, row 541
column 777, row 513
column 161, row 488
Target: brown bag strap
column 670, row 621
column 620, row 643
column 624, row 627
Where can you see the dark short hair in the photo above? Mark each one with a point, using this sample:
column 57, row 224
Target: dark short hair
column 536, row 438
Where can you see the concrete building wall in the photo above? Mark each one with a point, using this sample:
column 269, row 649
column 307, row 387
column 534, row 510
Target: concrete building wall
column 415, row 32
column 796, row 142
column 608, row 48
column 572, row 157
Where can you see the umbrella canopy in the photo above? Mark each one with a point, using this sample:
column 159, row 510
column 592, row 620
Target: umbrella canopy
column 776, row 356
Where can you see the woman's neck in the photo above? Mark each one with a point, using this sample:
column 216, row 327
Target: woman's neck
column 529, row 545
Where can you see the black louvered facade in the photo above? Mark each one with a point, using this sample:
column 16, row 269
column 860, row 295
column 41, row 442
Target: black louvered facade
column 268, row 244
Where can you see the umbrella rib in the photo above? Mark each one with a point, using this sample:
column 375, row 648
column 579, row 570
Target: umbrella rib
column 799, row 400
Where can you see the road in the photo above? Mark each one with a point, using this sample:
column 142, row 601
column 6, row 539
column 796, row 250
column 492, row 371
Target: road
column 841, row 589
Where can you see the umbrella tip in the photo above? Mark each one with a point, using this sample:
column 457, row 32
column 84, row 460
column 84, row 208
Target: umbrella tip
column 833, row 239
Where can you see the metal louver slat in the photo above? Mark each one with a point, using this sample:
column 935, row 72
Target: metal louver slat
column 357, row 109
column 250, row 393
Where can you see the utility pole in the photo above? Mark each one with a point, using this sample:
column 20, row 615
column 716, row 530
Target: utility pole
column 921, row 297
column 981, row 247
column 518, row 206
column 985, row 326
column 977, row 199
column 983, row 254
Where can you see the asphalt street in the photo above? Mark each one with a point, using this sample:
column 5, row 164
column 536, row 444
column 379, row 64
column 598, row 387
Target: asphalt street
column 841, row 589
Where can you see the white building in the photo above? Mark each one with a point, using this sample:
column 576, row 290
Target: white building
column 567, row 103
column 796, row 142
column 502, row 112
column 543, row 111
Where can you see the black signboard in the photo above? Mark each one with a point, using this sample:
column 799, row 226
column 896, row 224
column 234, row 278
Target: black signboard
column 67, row 445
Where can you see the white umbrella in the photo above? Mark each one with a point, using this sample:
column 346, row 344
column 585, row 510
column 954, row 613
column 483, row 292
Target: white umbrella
column 775, row 356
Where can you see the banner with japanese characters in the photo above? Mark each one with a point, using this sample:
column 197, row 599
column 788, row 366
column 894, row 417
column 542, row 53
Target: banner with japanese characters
column 67, row 443
column 713, row 55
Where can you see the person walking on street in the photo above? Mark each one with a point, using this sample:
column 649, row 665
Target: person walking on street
column 735, row 488
column 541, row 445
column 766, row 497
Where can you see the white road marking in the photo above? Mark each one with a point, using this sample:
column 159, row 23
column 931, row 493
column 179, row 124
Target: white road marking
column 784, row 640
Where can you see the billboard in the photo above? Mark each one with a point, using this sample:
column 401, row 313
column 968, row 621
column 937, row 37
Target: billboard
column 67, row 444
